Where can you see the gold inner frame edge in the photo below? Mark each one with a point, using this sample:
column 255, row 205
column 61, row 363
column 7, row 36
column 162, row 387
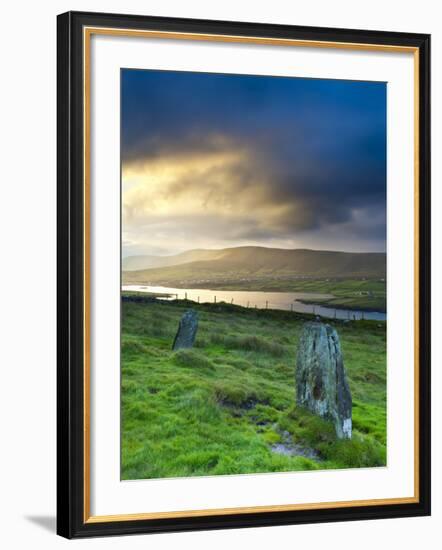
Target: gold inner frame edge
column 87, row 33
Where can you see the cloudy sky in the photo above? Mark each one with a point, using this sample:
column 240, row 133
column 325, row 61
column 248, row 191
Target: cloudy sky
column 214, row 161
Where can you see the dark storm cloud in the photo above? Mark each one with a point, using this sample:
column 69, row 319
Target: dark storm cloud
column 314, row 150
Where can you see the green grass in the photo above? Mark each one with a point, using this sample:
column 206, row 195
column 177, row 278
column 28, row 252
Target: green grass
column 218, row 408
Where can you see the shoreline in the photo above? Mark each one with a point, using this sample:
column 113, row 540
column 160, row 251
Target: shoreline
column 343, row 308
column 157, row 298
column 312, row 297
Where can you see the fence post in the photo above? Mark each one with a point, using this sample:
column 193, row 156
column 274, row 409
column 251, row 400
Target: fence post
column 231, row 301
column 214, row 299
column 185, row 295
column 248, row 304
column 198, row 299
column 267, row 304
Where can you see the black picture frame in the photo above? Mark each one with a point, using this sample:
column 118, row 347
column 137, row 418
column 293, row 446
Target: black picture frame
column 71, row 519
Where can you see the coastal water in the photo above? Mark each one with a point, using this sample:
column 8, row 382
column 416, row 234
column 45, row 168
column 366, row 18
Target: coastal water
column 290, row 301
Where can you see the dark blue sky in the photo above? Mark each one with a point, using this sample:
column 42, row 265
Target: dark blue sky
column 227, row 160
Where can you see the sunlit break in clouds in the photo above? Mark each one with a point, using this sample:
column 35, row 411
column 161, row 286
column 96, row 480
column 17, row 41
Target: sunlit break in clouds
column 214, row 161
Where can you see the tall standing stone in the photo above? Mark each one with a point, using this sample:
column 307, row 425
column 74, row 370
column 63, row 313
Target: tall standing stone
column 321, row 381
column 185, row 336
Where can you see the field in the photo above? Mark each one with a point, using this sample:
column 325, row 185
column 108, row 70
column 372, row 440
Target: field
column 227, row 406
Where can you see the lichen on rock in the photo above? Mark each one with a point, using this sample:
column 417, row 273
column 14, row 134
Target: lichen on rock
column 321, row 381
column 186, row 333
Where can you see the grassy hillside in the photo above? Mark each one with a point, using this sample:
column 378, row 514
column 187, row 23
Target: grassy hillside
column 234, row 264
column 228, row 405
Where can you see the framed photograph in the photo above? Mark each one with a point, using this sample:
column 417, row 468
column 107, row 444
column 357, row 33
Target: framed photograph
column 243, row 274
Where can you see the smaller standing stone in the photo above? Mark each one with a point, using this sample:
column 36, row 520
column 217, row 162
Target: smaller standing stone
column 321, row 381
column 185, row 336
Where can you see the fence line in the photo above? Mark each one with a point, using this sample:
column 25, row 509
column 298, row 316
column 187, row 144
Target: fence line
column 346, row 314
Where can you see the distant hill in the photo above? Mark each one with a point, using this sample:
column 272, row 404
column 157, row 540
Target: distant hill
column 248, row 263
column 136, row 263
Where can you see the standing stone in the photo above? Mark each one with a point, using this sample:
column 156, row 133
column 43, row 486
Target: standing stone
column 185, row 336
column 321, row 382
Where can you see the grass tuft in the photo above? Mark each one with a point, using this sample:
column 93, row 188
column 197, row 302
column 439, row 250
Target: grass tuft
column 192, row 358
column 249, row 343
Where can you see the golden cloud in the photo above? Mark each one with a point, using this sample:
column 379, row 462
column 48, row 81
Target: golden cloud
column 232, row 183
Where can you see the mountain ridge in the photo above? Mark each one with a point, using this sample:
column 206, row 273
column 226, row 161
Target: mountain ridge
column 253, row 261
